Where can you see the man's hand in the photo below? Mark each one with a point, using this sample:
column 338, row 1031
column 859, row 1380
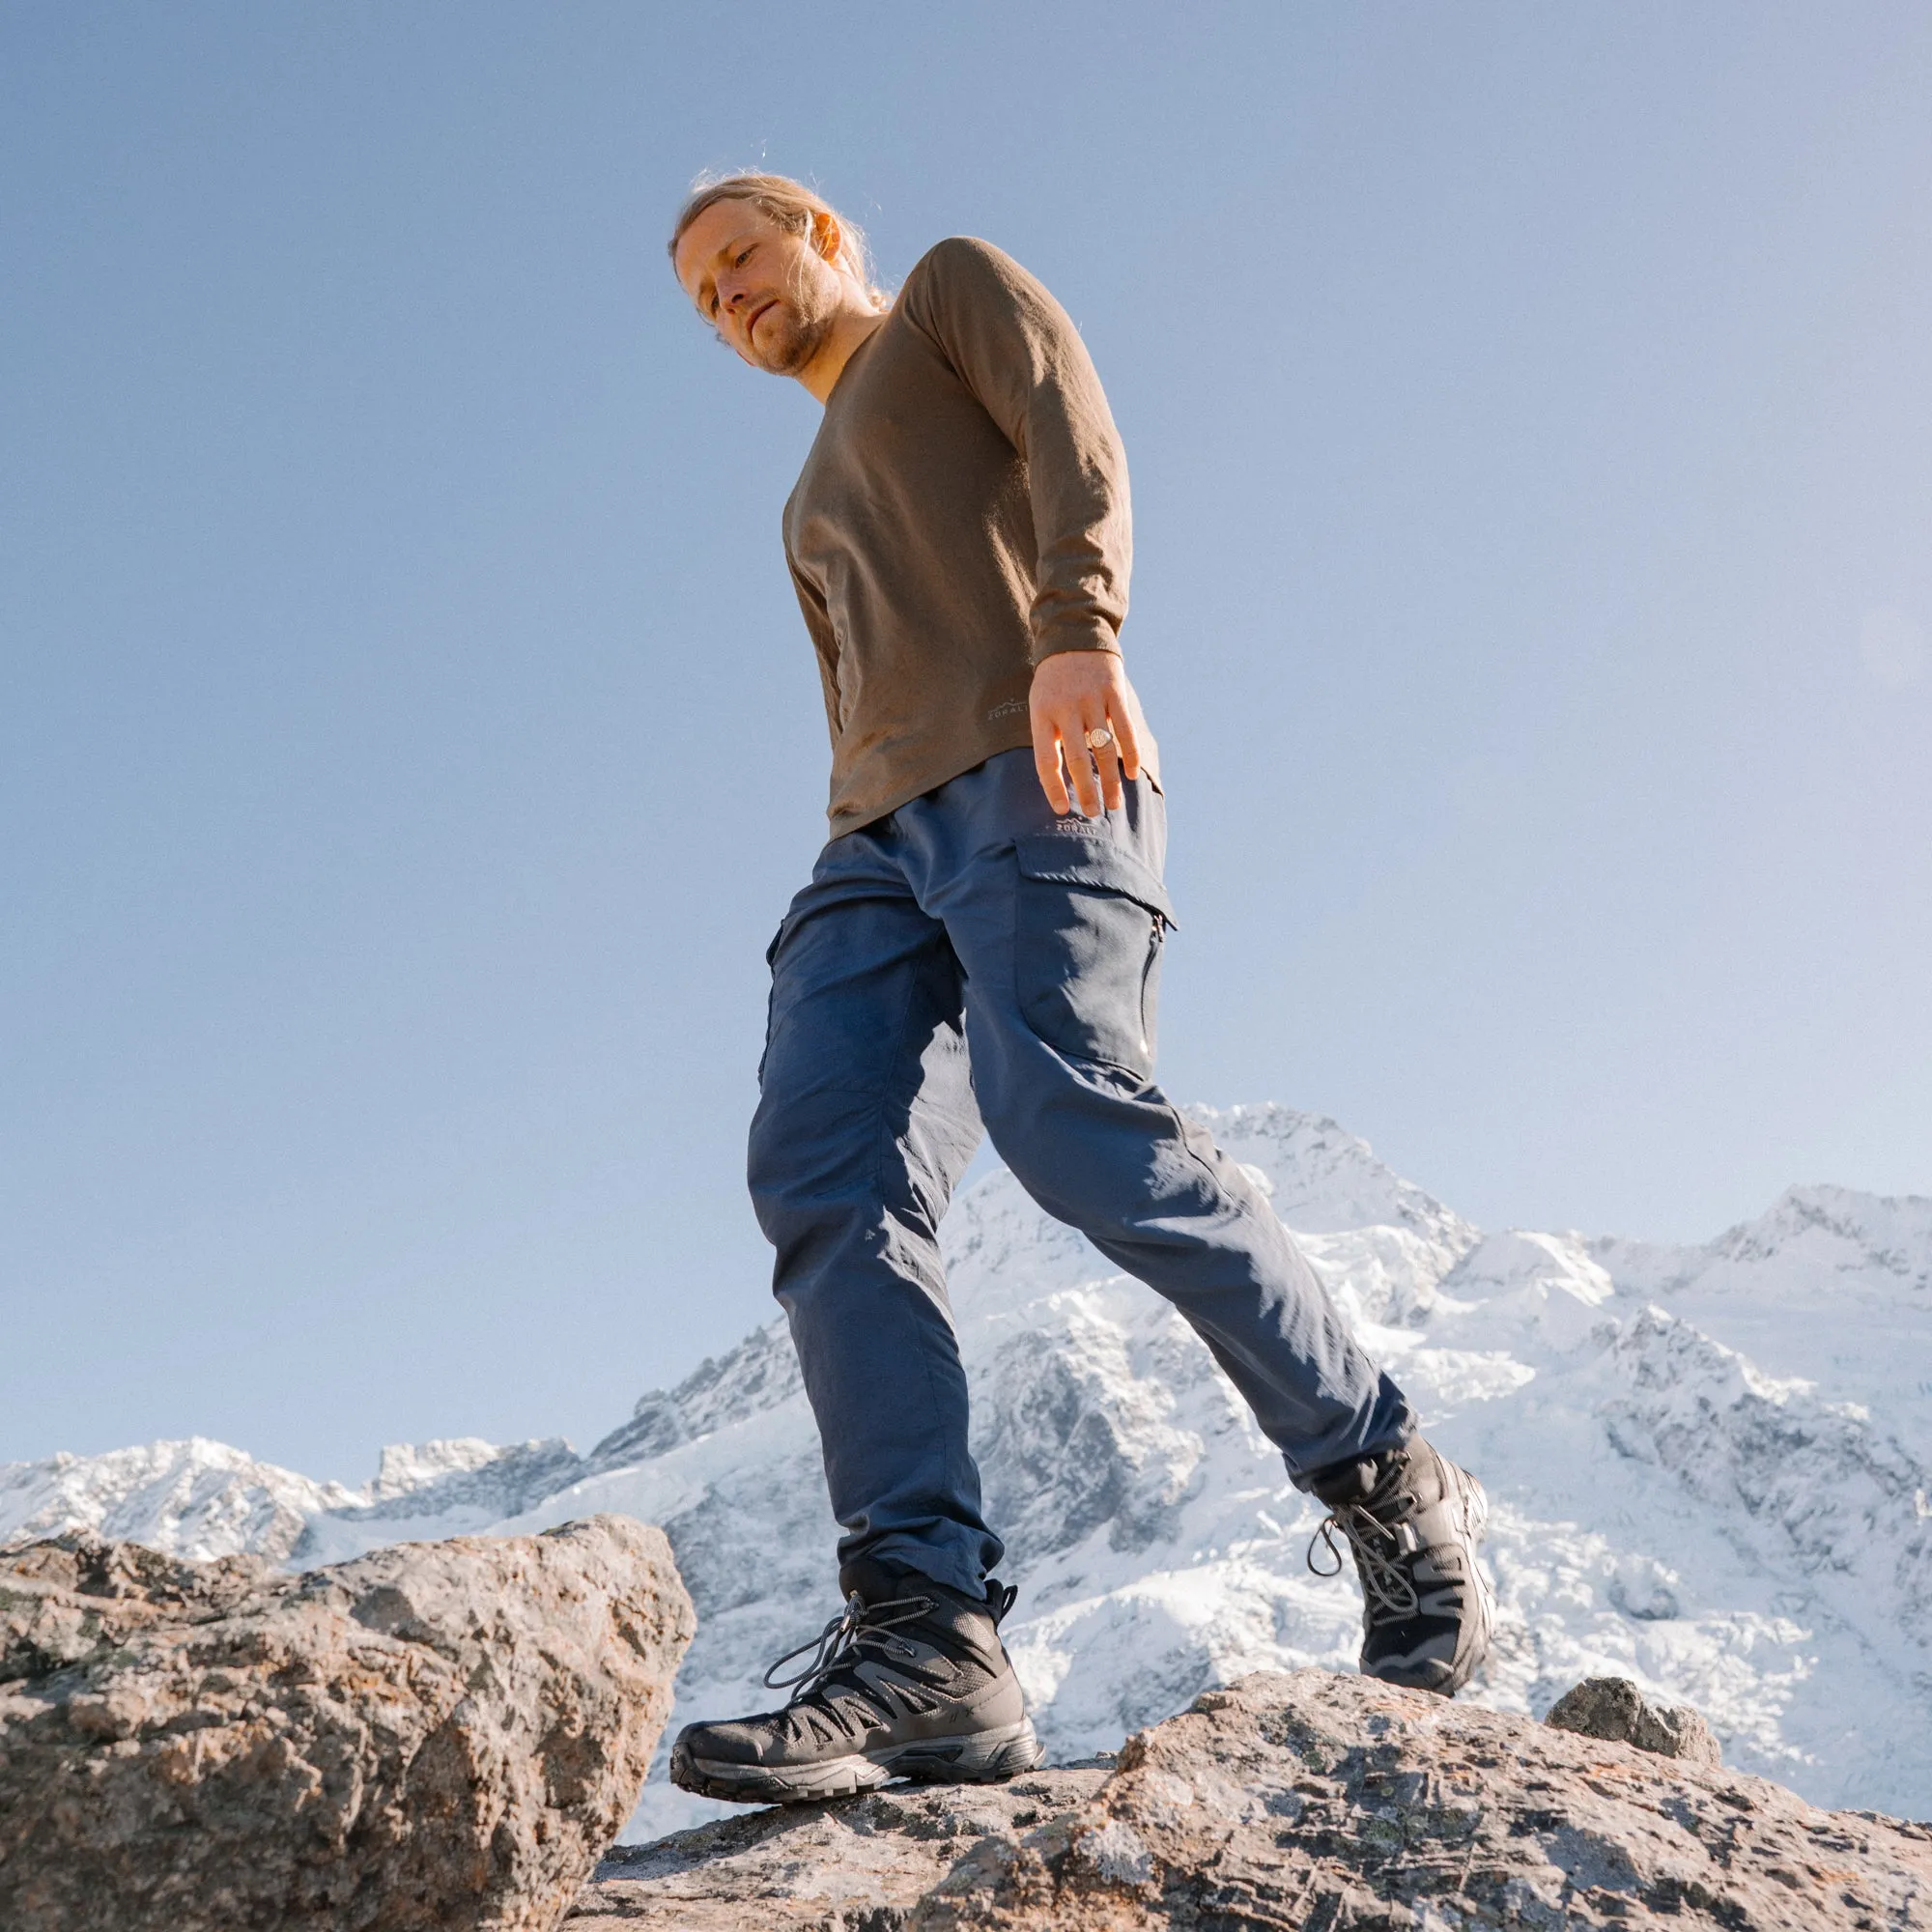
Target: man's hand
column 1074, row 692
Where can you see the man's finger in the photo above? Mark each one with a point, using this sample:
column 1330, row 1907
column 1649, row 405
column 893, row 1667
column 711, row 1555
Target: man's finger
column 1108, row 758
column 1080, row 766
column 1046, row 763
column 1127, row 740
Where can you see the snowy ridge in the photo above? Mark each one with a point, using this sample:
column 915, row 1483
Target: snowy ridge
column 1708, row 1466
column 198, row 1498
column 1814, row 1478
column 202, row 1499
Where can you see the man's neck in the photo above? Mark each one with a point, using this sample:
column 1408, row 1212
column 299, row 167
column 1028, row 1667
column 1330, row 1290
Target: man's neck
column 852, row 328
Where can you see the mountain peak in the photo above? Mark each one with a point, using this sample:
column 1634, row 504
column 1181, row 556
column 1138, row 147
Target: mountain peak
column 1841, row 1230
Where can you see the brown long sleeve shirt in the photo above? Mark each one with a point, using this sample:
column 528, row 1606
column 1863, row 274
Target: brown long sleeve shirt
column 962, row 514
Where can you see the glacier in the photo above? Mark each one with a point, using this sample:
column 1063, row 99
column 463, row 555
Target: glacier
column 1708, row 1469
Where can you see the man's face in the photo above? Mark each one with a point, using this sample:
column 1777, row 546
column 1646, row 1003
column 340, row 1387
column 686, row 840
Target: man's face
column 771, row 296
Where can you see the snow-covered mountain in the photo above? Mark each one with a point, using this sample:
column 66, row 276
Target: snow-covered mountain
column 1708, row 1466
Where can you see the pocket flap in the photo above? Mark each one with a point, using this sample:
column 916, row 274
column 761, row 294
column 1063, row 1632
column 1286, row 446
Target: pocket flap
column 1096, row 863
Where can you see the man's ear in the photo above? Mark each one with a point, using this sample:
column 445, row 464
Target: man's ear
column 827, row 236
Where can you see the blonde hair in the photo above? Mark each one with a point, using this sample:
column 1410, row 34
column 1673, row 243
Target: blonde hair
column 793, row 207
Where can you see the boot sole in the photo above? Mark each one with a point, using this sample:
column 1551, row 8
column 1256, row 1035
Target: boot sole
column 980, row 1757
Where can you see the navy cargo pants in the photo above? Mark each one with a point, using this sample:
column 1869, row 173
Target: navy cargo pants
column 972, row 958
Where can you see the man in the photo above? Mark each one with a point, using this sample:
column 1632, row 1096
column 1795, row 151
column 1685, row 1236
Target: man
column 960, row 543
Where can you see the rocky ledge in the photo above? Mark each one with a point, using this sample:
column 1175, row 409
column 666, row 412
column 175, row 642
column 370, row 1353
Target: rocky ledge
column 1310, row 1801
column 435, row 1736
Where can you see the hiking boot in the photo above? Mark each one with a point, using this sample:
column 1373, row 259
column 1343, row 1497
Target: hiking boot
column 909, row 1680
column 1412, row 1519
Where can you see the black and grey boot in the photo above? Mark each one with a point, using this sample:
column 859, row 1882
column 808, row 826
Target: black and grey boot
column 1412, row 1519
column 909, row 1681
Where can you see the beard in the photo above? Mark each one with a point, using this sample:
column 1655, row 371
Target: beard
column 791, row 334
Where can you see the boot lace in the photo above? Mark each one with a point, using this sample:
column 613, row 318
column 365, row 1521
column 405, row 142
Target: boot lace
column 859, row 1627
column 1386, row 1583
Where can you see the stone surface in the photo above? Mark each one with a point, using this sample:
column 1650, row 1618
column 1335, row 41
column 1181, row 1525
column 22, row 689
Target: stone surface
column 1614, row 1707
column 1307, row 1800
column 437, row 1734
column 862, row 1863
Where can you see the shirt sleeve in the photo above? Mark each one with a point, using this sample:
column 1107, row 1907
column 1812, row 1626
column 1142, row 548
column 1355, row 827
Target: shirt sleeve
column 1017, row 351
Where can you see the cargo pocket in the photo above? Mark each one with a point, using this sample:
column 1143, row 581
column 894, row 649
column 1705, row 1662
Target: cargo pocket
column 1089, row 925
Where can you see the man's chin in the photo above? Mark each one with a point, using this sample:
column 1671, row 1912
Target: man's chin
column 784, row 346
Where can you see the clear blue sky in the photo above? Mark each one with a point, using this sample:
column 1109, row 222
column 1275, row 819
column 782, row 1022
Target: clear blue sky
column 408, row 742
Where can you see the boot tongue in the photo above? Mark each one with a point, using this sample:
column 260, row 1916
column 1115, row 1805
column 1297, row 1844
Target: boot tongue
column 1356, row 1482
column 954, row 1618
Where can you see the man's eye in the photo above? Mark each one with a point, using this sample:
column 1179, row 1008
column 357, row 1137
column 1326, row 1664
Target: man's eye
column 745, row 256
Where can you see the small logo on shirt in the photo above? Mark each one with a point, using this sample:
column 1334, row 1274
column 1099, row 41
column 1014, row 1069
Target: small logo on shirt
column 1014, row 707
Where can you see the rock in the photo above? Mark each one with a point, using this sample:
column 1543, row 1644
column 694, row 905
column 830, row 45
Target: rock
column 1614, row 1707
column 1309, row 1799
column 864, row 1862
column 438, row 1735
